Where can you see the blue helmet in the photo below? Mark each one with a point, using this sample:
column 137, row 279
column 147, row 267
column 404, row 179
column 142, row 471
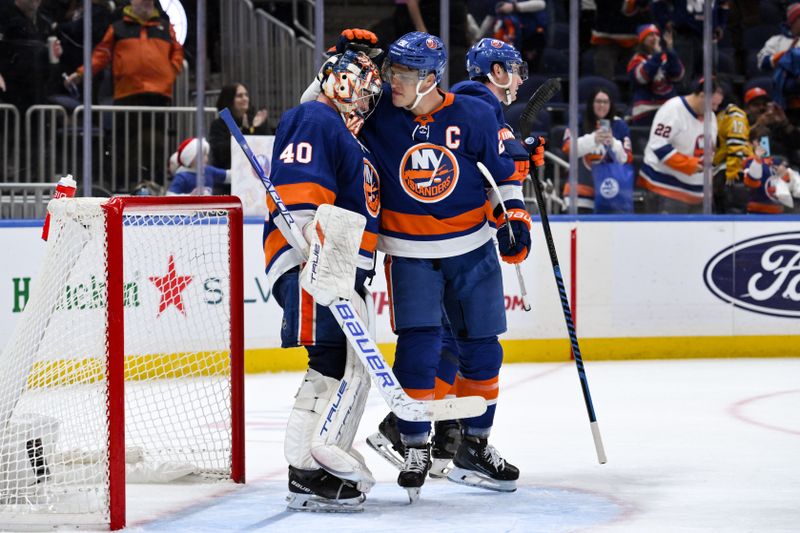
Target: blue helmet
column 419, row 51
column 488, row 51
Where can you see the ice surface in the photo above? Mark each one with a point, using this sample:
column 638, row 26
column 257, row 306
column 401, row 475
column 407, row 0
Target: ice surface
column 694, row 445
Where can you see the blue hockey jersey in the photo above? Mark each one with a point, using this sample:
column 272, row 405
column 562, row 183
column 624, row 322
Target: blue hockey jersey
column 315, row 161
column 434, row 201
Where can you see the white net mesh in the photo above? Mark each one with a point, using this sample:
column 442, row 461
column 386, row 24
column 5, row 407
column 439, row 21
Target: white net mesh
column 53, row 387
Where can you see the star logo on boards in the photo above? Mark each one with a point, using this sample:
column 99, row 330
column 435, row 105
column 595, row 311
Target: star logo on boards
column 171, row 287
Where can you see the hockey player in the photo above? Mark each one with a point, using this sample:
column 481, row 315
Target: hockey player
column 440, row 260
column 317, row 160
column 673, row 158
column 496, row 72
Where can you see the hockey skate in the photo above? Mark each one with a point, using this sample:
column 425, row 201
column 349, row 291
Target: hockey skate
column 321, row 492
column 445, row 443
column 478, row 464
column 415, row 468
column 386, row 441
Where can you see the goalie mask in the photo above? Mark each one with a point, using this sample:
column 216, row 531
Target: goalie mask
column 352, row 82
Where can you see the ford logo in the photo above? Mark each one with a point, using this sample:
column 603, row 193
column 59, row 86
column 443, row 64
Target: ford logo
column 760, row 274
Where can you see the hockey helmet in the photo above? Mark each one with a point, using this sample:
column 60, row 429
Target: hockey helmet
column 417, row 50
column 486, row 52
column 352, row 82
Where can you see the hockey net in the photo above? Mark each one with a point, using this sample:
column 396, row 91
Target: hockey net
column 126, row 363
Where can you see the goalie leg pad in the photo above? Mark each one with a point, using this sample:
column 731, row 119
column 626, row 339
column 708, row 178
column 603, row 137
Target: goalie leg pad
column 336, row 429
column 311, row 401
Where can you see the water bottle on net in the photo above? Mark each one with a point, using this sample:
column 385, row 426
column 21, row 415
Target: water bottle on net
column 65, row 188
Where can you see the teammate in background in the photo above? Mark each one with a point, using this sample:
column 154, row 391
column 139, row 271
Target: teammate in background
column 730, row 195
column 496, row 72
column 317, row 160
column 440, row 259
column 673, row 158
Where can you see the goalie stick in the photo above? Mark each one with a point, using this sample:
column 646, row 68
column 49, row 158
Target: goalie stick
column 535, row 104
column 488, row 175
column 356, row 332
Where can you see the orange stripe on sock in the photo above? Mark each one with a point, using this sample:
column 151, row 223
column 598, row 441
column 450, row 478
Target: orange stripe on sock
column 420, row 394
column 441, row 389
column 487, row 388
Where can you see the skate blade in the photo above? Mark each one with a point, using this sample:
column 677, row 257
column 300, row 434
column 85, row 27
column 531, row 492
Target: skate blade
column 383, row 447
column 476, row 479
column 440, row 467
column 310, row 503
column 413, row 494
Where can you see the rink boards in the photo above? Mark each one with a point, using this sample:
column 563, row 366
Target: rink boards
column 649, row 287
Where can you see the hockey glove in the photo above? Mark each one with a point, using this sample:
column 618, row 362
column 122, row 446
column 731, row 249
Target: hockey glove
column 517, row 152
column 359, row 40
column 535, row 147
column 520, row 222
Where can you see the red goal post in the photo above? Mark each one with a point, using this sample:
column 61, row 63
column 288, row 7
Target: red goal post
column 127, row 363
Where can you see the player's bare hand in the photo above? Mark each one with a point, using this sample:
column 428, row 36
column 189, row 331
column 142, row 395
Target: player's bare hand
column 603, row 137
column 260, row 118
column 72, row 80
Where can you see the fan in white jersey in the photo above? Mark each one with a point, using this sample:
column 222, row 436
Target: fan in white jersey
column 672, row 171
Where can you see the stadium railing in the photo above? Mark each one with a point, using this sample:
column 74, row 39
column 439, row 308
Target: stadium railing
column 9, row 143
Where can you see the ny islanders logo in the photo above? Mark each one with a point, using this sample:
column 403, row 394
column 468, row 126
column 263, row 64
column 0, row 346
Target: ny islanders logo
column 497, row 44
column 372, row 189
column 428, row 172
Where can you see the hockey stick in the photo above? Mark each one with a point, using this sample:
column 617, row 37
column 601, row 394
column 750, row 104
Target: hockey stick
column 488, row 175
column 356, row 332
column 535, row 104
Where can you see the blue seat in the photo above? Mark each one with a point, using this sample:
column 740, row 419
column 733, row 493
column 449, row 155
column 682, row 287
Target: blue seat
column 751, row 69
column 555, row 62
column 587, row 84
column 755, row 37
column 765, row 82
column 559, row 36
column 639, row 138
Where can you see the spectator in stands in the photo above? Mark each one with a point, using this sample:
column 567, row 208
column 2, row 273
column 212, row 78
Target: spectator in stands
column 614, row 32
column 780, row 55
column 777, row 45
column 763, row 113
column 29, row 67
column 603, row 137
column 733, row 148
column 672, row 171
column 145, row 59
column 144, row 54
column 425, row 16
column 685, row 19
column 772, row 184
column 69, row 28
column 653, row 71
column 185, row 180
column 236, row 98
column 522, row 23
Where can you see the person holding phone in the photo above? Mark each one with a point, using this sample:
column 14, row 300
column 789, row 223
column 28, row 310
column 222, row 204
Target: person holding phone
column 603, row 137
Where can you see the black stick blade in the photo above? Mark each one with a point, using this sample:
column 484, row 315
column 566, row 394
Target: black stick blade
column 536, row 103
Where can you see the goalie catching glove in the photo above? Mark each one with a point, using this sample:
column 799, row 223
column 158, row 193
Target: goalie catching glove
column 515, row 251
